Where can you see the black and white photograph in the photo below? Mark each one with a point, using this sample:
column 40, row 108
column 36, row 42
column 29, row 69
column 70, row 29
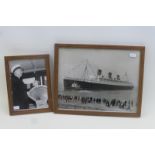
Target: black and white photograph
column 28, row 83
column 98, row 80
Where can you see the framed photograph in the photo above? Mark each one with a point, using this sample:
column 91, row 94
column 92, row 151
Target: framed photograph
column 28, row 83
column 98, row 79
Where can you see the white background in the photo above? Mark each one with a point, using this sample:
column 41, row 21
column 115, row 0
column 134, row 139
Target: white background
column 85, row 13
column 34, row 40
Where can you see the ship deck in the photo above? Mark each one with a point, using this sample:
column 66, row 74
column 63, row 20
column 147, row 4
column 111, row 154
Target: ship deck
column 104, row 81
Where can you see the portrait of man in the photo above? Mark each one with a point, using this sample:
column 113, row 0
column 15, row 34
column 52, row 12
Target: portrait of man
column 27, row 79
column 20, row 97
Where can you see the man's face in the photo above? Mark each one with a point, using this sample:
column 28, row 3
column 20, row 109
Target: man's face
column 18, row 73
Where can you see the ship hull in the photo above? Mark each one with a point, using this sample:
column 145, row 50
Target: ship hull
column 85, row 85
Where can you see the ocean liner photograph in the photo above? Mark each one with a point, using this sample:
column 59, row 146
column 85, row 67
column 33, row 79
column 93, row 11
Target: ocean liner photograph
column 28, row 83
column 98, row 79
column 97, row 82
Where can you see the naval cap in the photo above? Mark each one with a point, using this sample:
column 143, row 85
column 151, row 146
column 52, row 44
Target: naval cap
column 15, row 67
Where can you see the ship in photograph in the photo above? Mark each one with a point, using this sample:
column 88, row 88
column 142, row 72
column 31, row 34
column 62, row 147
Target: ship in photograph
column 96, row 82
column 87, row 86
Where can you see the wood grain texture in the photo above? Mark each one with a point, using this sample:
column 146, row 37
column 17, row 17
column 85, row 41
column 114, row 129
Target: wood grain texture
column 9, row 85
column 141, row 49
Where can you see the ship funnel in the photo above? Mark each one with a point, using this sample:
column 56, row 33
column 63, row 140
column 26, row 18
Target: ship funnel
column 118, row 77
column 110, row 75
column 99, row 72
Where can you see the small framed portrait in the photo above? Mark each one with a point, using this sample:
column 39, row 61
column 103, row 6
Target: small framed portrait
column 28, row 83
column 98, row 79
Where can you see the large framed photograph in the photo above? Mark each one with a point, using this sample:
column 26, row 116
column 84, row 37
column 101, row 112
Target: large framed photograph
column 28, row 83
column 98, row 79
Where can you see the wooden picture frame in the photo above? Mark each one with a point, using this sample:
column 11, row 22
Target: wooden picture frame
column 106, row 94
column 28, row 84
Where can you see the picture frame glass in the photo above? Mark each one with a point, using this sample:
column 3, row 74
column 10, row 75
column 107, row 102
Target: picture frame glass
column 28, row 79
column 98, row 80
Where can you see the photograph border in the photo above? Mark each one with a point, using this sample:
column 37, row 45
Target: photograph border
column 141, row 49
column 46, row 57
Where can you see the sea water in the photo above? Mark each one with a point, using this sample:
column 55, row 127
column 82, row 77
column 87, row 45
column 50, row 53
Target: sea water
column 130, row 96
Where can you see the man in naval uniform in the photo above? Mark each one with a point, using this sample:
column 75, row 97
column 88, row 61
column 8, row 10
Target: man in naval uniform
column 20, row 97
